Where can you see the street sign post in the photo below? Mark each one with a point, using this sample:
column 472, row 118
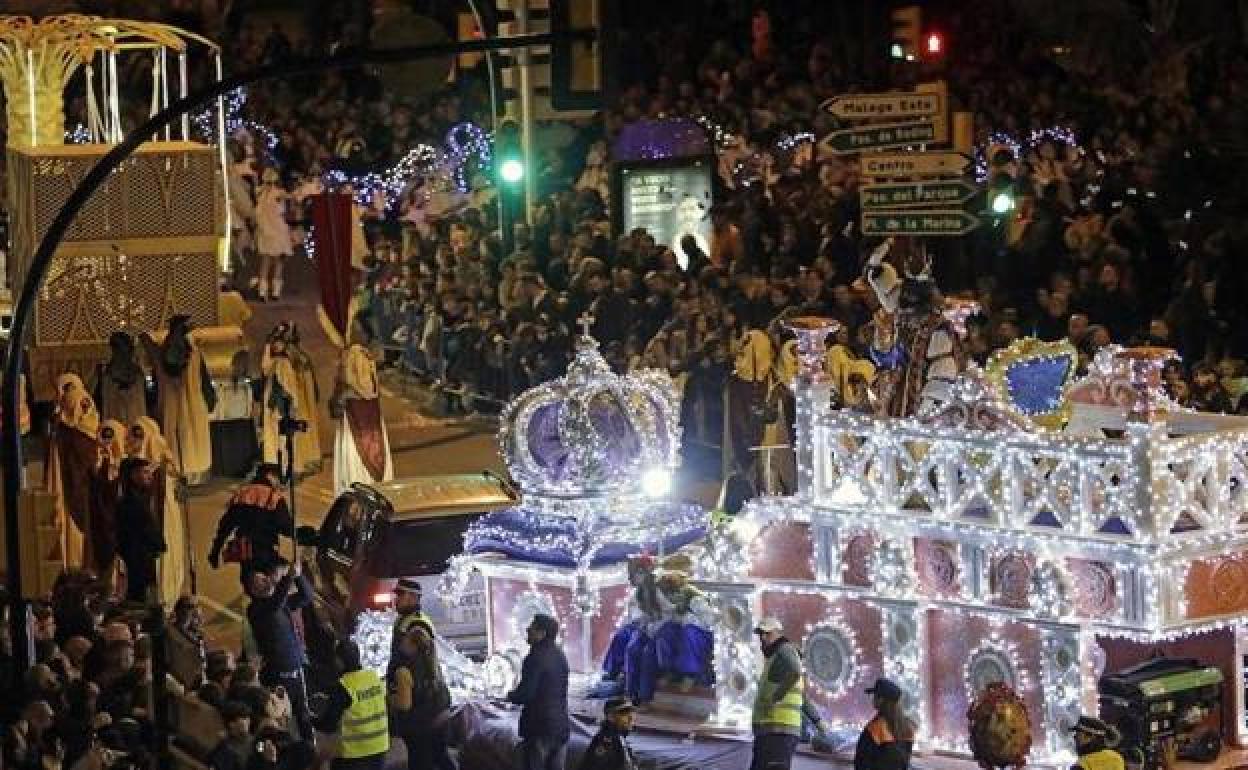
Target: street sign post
column 910, row 164
column 886, row 105
column 912, row 222
column 864, row 138
column 935, row 193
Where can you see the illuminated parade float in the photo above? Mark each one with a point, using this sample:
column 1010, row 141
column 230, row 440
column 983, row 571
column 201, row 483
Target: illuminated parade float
column 1029, row 528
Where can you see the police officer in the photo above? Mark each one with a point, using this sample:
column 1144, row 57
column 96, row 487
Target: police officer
column 407, row 595
column 778, row 704
column 609, row 750
column 356, row 710
column 1093, row 739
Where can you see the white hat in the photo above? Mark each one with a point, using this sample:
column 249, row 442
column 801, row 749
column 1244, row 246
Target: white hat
column 769, row 625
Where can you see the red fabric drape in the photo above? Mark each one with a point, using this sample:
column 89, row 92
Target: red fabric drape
column 331, row 216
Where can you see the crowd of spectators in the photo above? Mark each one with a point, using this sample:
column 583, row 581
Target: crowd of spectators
column 88, row 701
column 1124, row 234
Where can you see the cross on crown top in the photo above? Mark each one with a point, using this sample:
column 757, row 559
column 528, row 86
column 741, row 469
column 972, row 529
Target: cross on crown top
column 586, row 322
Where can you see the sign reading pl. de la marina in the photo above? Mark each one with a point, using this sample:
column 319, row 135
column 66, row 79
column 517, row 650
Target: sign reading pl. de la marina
column 911, row 222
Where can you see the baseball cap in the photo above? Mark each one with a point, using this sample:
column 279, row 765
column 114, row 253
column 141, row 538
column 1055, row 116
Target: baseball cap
column 769, row 625
column 886, row 689
column 617, row 706
column 408, row 585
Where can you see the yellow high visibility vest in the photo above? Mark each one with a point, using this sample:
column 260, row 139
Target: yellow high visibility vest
column 365, row 731
column 1105, row 759
column 785, row 716
column 408, row 621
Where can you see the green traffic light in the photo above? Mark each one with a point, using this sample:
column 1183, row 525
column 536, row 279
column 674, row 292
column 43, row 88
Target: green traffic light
column 1002, row 203
column 511, row 170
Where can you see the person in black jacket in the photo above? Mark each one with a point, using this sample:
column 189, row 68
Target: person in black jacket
column 543, row 692
column 272, row 616
column 140, row 541
column 609, row 750
column 888, row 739
column 257, row 517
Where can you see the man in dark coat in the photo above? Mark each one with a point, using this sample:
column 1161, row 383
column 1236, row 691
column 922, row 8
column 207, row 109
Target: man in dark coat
column 543, row 692
column 256, row 518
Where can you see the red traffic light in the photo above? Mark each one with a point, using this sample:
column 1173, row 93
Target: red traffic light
column 935, row 44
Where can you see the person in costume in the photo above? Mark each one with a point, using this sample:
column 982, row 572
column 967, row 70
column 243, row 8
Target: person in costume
column 1094, row 743
column 185, row 398
column 632, row 659
column 120, row 382
column 777, row 467
column 106, row 491
column 273, row 238
column 684, row 642
column 361, row 447
column 73, row 454
column 156, row 484
column 888, row 739
column 281, row 392
column 308, row 442
column 915, row 348
column 745, row 402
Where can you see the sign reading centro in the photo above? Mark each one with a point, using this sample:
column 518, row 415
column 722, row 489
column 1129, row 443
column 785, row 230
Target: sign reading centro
column 899, row 105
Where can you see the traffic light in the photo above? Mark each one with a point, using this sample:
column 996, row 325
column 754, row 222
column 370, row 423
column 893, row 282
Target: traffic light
column 907, row 32
column 935, row 44
column 1001, row 194
column 509, row 154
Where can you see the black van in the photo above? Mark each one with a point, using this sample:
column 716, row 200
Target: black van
column 374, row 535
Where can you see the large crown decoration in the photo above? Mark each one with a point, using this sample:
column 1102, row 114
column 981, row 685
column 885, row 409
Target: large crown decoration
column 591, row 433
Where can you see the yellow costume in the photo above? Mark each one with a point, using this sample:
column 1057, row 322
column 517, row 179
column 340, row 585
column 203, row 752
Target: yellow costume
column 182, row 408
column 279, row 372
column 307, row 443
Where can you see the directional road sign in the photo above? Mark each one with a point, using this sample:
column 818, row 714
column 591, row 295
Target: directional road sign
column 911, row 222
column 881, row 137
column 909, row 164
column 950, row 192
column 888, row 105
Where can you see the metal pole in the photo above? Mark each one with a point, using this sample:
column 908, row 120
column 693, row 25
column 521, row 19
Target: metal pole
column 526, row 111
column 10, row 436
column 489, row 66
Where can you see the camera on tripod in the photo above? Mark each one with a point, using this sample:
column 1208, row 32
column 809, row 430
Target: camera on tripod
column 287, row 425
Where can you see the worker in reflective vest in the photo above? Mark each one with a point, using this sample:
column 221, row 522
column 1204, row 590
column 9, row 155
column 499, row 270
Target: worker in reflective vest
column 357, row 712
column 407, row 596
column 1093, row 739
column 778, row 704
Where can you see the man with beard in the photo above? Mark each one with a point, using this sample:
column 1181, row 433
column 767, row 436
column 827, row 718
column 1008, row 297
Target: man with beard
column 915, row 348
column 186, row 397
column 120, row 383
